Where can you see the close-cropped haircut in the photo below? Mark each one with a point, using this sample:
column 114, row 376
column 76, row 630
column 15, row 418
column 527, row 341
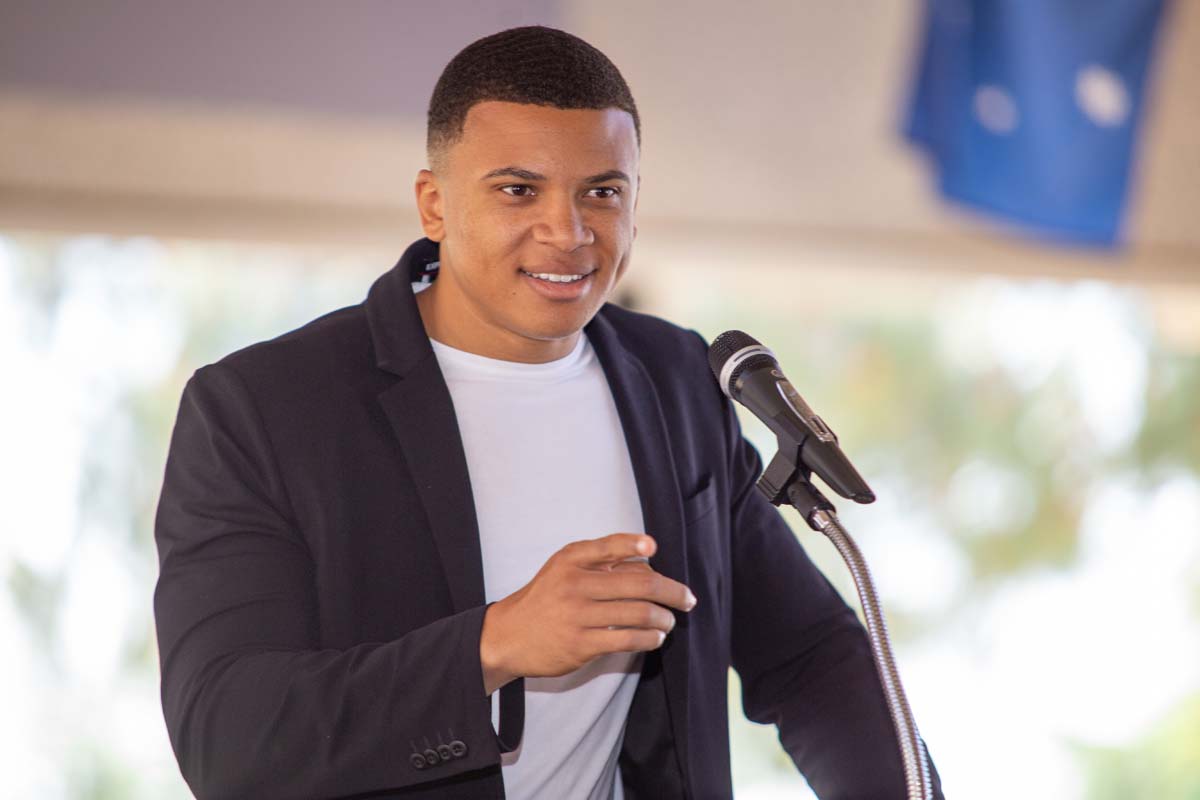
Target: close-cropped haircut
column 535, row 65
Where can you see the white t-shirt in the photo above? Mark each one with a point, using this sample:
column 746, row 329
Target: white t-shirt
column 549, row 465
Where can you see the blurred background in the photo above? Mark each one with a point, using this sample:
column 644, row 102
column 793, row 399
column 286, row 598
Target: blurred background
column 970, row 231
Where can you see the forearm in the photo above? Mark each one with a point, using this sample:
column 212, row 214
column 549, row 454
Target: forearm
column 308, row 723
column 832, row 719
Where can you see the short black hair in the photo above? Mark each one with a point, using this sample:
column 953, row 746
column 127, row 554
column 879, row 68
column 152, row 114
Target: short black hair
column 534, row 64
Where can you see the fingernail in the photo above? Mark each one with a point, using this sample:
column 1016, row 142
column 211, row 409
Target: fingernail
column 691, row 600
column 643, row 547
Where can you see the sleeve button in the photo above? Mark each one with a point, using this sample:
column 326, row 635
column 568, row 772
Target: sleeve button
column 417, row 760
column 458, row 748
column 431, row 756
column 444, row 753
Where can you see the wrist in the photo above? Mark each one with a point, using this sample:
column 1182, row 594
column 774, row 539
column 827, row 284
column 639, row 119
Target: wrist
column 491, row 654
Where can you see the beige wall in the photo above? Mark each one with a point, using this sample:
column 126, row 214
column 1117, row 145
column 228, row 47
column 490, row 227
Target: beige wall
column 799, row 153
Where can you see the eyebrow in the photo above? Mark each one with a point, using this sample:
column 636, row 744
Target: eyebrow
column 605, row 177
column 529, row 175
column 514, row 172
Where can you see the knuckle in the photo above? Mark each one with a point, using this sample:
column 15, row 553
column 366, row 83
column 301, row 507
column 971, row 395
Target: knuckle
column 646, row 615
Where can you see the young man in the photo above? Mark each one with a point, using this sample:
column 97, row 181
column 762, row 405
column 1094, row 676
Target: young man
column 375, row 526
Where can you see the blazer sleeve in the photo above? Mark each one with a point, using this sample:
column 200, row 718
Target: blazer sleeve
column 254, row 706
column 802, row 656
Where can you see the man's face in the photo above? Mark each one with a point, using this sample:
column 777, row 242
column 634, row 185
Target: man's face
column 533, row 208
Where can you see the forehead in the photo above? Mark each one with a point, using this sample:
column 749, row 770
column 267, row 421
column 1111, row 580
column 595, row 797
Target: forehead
column 497, row 134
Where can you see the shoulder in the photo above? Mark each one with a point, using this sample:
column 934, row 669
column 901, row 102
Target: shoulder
column 328, row 351
column 653, row 338
column 675, row 357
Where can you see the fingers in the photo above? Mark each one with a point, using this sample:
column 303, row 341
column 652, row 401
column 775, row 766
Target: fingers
column 624, row 640
column 631, row 565
column 630, row 583
column 628, row 614
column 607, row 549
column 590, row 598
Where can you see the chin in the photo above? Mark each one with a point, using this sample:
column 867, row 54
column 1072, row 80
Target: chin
column 555, row 326
column 549, row 333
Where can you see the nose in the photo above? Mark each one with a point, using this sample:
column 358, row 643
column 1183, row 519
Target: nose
column 562, row 226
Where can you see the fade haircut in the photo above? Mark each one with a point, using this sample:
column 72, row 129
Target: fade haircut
column 535, row 65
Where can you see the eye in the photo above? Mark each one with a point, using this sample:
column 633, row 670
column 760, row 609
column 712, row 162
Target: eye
column 605, row 192
column 517, row 190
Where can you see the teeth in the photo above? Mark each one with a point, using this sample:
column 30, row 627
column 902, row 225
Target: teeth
column 553, row 278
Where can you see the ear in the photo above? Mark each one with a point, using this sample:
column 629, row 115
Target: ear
column 636, row 197
column 429, row 205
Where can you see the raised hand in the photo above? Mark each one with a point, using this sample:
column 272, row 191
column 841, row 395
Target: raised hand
column 587, row 600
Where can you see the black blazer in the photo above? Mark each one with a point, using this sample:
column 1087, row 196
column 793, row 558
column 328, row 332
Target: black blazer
column 321, row 594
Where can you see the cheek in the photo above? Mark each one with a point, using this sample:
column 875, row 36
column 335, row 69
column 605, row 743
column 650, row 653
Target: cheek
column 488, row 237
column 499, row 226
column 617, row 234
column 622, row 265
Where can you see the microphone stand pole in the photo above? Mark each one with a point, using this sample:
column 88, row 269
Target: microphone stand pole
column 784, row 482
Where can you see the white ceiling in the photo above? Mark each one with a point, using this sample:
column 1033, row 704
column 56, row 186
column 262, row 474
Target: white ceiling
column 768, row 120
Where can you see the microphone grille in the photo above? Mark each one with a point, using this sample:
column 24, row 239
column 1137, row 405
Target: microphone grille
column 724, row 346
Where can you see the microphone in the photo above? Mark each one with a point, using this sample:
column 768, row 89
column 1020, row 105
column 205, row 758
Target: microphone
column 749, row 373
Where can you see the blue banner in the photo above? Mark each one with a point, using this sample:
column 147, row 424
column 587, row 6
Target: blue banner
column 1029, row 109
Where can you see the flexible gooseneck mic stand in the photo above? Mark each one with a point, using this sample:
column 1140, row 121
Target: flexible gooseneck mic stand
column 748, row 372
column 784, row 482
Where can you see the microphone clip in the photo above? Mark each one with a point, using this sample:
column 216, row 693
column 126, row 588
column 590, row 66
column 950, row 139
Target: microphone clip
column 783, row 481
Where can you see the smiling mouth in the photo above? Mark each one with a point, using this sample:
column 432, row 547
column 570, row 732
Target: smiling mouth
column 554, row 277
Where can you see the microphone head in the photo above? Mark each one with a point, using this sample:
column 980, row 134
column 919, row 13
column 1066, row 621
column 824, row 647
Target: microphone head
column 731, row 345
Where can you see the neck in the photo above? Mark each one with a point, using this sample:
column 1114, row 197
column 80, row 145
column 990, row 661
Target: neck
column 453, row 322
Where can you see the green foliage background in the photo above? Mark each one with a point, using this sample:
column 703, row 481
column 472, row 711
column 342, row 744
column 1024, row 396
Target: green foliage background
column 904, row 409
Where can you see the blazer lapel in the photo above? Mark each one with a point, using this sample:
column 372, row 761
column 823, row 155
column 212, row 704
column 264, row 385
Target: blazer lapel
column 421, row 413
column 649, row 446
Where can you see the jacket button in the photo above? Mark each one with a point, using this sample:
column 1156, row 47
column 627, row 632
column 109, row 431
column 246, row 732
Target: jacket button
column 458, row 748
column 432, row 757
column 444, row 753
column 417, row 760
